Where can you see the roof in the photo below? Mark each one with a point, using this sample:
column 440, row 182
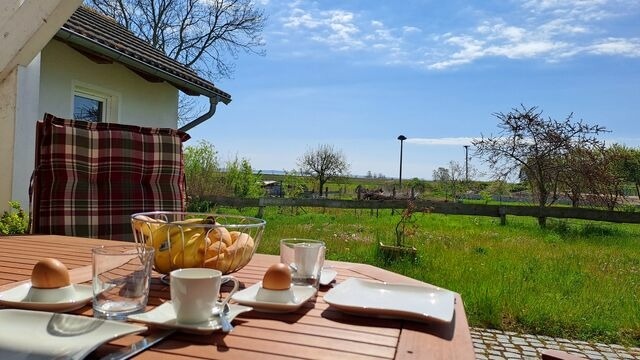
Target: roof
column 102, row 38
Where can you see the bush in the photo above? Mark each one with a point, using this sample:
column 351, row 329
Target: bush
column 14, row 222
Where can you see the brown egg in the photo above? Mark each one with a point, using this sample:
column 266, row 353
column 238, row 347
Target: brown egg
column 50, row 273
column 277, row 277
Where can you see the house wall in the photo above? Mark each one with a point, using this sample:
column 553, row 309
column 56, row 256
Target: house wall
column 140, row 102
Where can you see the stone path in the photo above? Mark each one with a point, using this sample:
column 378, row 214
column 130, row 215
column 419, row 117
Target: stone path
column 497, row 345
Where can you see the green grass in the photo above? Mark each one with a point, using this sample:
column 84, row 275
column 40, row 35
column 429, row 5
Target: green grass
column 574, row 279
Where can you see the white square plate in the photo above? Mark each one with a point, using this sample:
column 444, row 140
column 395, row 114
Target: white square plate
column 17, row 297
column 419, row 303
column 164, row 316
column 248, row 297
column 32, row 335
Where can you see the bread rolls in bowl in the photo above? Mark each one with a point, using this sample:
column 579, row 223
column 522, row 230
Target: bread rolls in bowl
column 184, row 239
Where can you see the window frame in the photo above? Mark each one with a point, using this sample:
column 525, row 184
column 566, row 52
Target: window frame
column 110, row 100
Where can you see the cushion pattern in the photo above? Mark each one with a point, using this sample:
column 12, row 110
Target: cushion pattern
column 90, row 177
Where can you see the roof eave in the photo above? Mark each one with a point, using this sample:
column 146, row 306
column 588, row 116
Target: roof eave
column 82, row 41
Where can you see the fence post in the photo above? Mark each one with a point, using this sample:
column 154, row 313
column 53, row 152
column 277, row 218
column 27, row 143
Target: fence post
column 260, row 209
column 503, row 215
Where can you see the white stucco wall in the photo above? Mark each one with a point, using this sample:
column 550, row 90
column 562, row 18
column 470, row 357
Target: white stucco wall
column 140, row 102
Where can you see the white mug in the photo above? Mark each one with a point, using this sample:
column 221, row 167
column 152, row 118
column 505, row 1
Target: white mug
column 306, row 258
column 194, row 293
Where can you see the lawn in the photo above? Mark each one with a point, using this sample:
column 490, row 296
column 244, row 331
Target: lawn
column 574, row 279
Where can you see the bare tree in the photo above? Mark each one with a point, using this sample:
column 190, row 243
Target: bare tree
column 202, row 34
column 536, row 146
column 323, row 164
column 456, row 173
column 441, row 177
column 603, row 180
column 628, row 164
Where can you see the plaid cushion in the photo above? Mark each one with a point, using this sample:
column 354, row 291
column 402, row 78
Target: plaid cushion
column 90, row 177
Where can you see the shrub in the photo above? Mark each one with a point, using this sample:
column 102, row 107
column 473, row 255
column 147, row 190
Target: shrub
column 15, row 221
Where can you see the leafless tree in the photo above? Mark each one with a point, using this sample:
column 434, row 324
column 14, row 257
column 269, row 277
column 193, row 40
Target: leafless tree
column 530, row 143
column 604, row 182
column 205, row 35
column 323, row 164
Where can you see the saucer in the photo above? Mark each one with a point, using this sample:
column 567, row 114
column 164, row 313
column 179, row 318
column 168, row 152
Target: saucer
column 164, row 316
column 301, row 294
column 21, row 297
column 327, row 276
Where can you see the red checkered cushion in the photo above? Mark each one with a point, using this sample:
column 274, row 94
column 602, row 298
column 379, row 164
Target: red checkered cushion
column 90, row 177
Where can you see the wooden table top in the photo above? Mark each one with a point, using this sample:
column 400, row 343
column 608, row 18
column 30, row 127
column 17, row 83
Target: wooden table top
column 315, row 331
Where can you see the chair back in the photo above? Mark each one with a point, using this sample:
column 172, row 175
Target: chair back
column 90, row 177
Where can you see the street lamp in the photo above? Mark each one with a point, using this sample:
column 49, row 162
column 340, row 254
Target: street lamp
column 401, row 138
column 466, row 163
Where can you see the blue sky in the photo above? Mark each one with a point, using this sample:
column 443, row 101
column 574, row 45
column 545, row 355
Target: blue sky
column 356, row 74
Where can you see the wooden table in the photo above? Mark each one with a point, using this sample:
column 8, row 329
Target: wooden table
column 315, row 331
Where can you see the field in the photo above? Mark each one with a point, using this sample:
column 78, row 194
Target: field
column 574, row 279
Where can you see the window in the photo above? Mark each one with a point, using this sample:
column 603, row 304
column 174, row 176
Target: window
column 91, row 103
column 88, row 108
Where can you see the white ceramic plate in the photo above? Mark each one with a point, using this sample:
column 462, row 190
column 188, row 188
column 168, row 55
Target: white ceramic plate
column 327, row 276
column 17, row 297
column 420, row 303
column 248, row 297
column 165, row 317
column 32, row 335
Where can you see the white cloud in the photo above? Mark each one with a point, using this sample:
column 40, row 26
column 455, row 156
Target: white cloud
column 301, row 19
column 411, row 29
column 545, row 30
column 616, row 46
column 461, row 141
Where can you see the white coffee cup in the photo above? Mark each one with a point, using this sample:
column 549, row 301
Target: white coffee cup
column 306, row 257
column 194, row 293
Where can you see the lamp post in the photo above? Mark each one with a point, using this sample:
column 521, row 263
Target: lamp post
column 401, row 138
column 466, row 163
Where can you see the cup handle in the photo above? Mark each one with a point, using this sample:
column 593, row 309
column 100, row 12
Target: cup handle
column 236, row 285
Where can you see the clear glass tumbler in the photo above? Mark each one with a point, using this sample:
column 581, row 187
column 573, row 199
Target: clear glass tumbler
column 121, row 280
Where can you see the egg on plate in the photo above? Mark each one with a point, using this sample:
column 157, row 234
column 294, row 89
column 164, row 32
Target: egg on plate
column 50, row 273
column 277, row 277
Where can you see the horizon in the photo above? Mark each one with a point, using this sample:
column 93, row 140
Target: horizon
column 356, row 75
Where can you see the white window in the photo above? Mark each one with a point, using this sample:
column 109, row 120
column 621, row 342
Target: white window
column 93, row 104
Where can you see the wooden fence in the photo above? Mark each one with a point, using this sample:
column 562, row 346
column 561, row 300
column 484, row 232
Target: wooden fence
column 439, row 207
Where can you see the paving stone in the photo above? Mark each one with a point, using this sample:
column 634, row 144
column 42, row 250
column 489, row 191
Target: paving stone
column 595, row 357
column 494, row 344
column 585, row 347
column 609, row 355
column 511, row 355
